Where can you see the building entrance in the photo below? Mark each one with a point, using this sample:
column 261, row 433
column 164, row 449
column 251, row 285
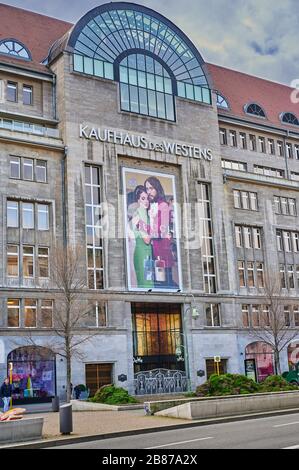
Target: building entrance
column 159, row 349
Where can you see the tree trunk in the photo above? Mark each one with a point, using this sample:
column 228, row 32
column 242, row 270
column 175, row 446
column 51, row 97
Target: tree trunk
column 68, row 372
column 277, row 363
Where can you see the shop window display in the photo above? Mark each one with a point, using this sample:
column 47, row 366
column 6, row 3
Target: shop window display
column 33, row 373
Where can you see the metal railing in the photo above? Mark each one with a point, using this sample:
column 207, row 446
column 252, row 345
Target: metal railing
column 160, row 381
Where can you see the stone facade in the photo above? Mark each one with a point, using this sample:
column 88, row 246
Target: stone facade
column 95, row 102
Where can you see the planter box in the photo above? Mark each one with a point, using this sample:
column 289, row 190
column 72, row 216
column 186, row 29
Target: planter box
column 216, row 407
column 28, row 429
column 78, row 405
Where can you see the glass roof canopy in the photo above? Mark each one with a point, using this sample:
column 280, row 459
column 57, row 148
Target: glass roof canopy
column 109, row 32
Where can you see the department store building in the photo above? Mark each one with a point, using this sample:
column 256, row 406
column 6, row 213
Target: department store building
column 179, row 178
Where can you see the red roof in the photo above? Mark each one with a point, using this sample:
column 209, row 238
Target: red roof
column 240, row 89
column 37, row 32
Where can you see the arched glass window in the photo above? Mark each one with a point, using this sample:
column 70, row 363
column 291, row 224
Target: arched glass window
column 107, row 34
column 221, row 102
column 255, row 110
column 146, row 87
column 14, row 48
column 290, row 118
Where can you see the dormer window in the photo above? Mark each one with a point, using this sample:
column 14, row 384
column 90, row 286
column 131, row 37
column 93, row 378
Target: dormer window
column 289, row 118
column 222, row 102
column 255, row 110
column 14, row 48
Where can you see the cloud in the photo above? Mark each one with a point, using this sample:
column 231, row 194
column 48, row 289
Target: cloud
column 259, row 37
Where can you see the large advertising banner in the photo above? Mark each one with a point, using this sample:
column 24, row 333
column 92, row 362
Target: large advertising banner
column 153, row 255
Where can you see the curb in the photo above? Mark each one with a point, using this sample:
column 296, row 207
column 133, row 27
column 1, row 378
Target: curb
column 99, row 437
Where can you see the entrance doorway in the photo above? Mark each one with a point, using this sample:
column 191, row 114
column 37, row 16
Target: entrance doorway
column 159, row 348
column 211, row 367
column 98, row 375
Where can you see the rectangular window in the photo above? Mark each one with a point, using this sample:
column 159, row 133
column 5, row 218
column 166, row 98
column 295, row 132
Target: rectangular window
column 223, row 137
column 245, row 200
column 208, row 257
column 27, row 94
column 41, row 171
column 294, row 176
column 13, row 313
column 265, row 171
column 247, row 237
column 253, row 201
column 257, row 238
column 27, row 215
column 237, row 199
column 245, row 316
column 280, row 148
column 287, row 316
column 239, row 237
column 287, row 242
column 15, row 167
column 232, row 165
column 93, row 227
column 46, row 320
column 295, row 238
column 12, row 214
column 283, row 281
column 271, row 146
column 252, row 143
column 255, row 316
column 250, row 274
column 260, row 275
column 42, row 217
column 296, row 315
column 12, row 91
column 233, row 138
column 279, row 240
column 265, row 318
column 28, row 261
column 28, row 169
column 213, row 315
column 291, row 279
column 243, row 140
column 297, row 152
column 241, row 268
column 43, row 262
column 289, row 150
column 30, row 313
column 262, row 144
column 12, row 261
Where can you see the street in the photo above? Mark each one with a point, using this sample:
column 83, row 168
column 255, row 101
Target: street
column 279, row 432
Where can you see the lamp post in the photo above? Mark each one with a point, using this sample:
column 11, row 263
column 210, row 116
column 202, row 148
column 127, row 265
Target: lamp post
column 195, row 314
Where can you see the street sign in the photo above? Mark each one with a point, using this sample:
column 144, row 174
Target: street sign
column 217, row 359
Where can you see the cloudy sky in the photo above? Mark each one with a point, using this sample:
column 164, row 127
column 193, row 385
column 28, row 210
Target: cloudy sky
column 259, row 37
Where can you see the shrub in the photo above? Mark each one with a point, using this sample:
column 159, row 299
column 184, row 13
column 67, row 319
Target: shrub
column 276, row 383
column 81, row 387
column 111, row 395
column 228, row 384
column 235, row 384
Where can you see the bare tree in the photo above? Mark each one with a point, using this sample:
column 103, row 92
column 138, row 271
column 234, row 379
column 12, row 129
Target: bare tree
column 68, row 276
column 275, row 326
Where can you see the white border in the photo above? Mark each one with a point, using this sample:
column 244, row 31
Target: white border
column 177, row 230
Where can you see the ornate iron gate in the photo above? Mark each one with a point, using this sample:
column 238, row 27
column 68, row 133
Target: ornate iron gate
column 159, row 381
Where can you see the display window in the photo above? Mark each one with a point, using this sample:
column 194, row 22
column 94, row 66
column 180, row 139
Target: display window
column 33, row 373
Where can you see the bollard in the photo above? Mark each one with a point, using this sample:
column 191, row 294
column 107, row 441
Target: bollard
column 66, row 419
column 55, row 404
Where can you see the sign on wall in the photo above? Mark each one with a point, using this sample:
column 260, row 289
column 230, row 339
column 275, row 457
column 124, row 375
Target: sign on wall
column 153, row 255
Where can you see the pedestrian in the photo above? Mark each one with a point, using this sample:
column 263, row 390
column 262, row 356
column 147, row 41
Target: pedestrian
column 6, row 392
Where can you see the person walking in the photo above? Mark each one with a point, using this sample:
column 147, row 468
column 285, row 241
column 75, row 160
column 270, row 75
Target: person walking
column 6, row 392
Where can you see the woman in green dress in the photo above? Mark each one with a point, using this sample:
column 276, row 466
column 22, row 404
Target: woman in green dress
column 143, row 261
